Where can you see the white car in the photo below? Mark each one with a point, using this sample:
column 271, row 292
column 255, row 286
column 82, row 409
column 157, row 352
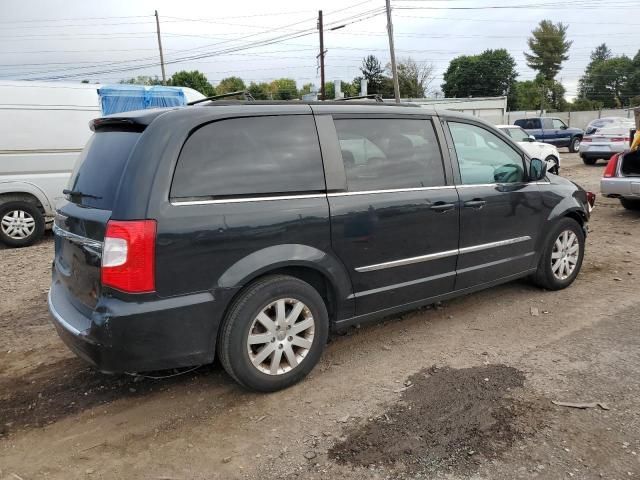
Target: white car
column 543, row 151
column 605, row 137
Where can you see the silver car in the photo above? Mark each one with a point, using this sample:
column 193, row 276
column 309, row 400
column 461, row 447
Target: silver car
column 621, row 179
column 605, row 137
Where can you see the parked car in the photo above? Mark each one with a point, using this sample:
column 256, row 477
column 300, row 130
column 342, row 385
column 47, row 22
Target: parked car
column 44, row 127
column 549, row 153
column 605, row 137
column 552, row 130
column 621, row 178
column 251, row 230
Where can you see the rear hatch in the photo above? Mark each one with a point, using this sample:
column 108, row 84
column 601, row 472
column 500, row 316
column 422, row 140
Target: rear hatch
column 81, row 222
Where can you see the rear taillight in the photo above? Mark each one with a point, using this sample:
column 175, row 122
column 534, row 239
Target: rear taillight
column 591, row 198
column 612, row 166
column 128, row 256
column 620, row 139
column 586, row 139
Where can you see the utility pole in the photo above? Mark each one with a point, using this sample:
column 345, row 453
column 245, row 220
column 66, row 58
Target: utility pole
column 392, row 51
column 321, row 29
column 164, row 77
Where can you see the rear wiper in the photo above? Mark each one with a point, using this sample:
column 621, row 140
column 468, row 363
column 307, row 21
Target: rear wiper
column 79, row 194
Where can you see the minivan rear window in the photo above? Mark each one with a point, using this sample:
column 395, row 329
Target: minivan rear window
column 250, row 156
column 99, row 169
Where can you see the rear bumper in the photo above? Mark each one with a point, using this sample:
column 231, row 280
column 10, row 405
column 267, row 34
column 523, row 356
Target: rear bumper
column 627, row 187
column 593, row 152
column 134, row 337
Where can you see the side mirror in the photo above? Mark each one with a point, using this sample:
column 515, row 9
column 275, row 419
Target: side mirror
column 563, row 127
column 532, row 138
column 537, row 169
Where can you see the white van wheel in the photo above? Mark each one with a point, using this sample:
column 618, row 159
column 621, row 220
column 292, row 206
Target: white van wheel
column 21, row 223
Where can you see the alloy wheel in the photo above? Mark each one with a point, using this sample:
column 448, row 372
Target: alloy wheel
column 564, row 256
column 280, row 336
column 18, row 224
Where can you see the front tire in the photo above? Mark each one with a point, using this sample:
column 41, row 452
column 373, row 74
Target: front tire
column 561, row 259
column 630, row 204
column 574, row 146
column 274, row 333
column 21, row 223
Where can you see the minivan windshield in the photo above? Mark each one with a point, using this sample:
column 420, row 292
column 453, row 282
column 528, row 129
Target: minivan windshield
column 98, row 171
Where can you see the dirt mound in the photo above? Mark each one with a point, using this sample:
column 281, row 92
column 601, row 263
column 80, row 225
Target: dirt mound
column 446, row 418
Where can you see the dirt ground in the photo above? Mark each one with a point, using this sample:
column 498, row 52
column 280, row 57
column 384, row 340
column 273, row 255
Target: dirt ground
column 461, row 390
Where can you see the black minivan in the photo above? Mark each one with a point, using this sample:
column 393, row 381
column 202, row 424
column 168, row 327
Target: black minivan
column 251, row 230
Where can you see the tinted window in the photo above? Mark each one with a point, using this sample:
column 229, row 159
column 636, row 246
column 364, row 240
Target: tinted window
column 381, row 154
column 250, row 156
column 484, row 157
column 528, row 123
column 99, row 168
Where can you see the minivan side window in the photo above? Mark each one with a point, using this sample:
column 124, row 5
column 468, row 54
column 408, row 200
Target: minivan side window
column 484, row 157
column 250, row 156
column 383, row 154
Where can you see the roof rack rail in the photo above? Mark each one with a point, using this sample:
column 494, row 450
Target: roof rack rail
column 247, row 96
column 375, row 96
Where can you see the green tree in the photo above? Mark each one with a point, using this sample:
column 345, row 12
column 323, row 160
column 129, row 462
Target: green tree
column 230, row 84
column 373, row 72
column 260, row 91
column 306, row 89
column 549, row 47
column 599, row 55
column 346, row 88
column 611, row 82
column 141, row 80
column 489, row 74
column 413, row 79
column 284, row 89
column 583, row 104
column 538, row 94
column 193, row 79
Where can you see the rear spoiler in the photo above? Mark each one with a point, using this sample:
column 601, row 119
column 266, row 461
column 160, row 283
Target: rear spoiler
column 116, row 125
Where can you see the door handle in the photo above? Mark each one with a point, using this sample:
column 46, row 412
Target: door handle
column 476, row 203
column 442, row 207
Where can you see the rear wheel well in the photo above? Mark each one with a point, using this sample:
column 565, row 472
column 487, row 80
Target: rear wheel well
column 314, row 278
column 22, row 197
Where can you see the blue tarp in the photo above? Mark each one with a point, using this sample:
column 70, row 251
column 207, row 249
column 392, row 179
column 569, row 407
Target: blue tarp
column 124, row 98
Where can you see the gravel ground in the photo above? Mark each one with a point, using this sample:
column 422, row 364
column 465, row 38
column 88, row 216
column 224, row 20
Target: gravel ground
column 458, row 390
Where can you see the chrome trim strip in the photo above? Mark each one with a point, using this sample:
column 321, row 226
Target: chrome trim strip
column 494, row 263
column 485, row 246
column 407, row 261
column 443, row 254
column 481, row 185
column 392, row 190
column 181, row 203
column 78, row 239
column 400, row 285
column 67, row 326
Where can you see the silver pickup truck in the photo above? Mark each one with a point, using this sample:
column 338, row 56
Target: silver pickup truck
column 621, row 179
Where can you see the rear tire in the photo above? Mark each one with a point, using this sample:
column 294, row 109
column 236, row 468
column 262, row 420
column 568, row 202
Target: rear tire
column 274, row 333
column 562, row 256
column 574, row 146
column 589, row 160
column 630, row 204
column 21, row 223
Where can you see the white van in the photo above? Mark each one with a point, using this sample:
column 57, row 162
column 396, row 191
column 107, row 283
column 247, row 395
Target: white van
column 43, row 128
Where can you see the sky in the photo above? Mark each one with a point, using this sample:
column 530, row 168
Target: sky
column 72, row 40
